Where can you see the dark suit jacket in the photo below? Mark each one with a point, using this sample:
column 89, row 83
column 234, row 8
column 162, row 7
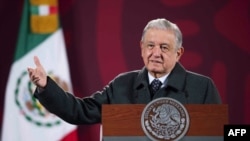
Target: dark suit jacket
column 128, row 88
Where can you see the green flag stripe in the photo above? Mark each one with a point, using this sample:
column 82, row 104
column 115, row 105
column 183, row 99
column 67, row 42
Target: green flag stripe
column 34, row 10
column 26, row 40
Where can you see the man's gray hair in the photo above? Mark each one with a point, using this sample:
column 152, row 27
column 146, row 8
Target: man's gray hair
column 164, row 24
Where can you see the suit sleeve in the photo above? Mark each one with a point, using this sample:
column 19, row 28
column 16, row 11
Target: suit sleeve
column 72, row 109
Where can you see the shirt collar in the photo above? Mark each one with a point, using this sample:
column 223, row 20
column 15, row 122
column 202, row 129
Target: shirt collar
column 162, row 79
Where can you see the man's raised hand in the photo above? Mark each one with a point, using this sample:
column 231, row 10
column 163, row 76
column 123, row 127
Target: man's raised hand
column 38, row 75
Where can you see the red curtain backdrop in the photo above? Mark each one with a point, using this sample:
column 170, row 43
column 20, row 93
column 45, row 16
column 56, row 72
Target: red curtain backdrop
column 102, row 39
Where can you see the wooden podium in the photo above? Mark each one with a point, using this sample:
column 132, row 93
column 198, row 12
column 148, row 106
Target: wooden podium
column 122, row 122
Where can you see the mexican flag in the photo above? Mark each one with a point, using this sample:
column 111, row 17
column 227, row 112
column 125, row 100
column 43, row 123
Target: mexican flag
column 24, row 118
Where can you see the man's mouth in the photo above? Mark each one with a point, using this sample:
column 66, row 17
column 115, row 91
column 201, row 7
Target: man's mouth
column 156, row 61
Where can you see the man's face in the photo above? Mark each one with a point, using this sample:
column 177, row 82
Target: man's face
column 158, row 51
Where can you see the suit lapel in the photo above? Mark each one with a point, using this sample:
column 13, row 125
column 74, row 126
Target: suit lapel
column 142, row 95
column 175, row 86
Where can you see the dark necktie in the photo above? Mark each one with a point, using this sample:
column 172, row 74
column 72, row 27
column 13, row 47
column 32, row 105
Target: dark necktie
column 155, row 86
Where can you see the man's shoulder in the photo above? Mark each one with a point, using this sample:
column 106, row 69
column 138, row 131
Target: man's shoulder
column 133, row 73
column 197, row 76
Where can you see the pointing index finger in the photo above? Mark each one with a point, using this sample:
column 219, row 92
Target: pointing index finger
column 37, row 61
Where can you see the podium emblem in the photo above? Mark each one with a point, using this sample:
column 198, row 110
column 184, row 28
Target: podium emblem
column 165, row 119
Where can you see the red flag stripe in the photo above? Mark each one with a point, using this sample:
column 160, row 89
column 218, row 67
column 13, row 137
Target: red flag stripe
column 53, row 10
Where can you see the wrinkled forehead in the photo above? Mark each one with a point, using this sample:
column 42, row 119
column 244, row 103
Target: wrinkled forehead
column 160, row 34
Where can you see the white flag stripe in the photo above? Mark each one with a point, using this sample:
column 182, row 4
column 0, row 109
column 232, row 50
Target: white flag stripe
column 43, row 10
column 19, row 123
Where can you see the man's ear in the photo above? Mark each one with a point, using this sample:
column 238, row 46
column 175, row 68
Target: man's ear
column 141, row 47
column 180, row 51
column 141, row 44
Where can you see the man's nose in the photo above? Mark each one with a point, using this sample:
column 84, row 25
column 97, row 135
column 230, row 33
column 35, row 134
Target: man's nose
column 157, row 50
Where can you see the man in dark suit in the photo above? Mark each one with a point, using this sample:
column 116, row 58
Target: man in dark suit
column 161, row 49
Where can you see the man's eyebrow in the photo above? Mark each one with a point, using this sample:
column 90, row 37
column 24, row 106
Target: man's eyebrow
column 164, row 44
column 150, row 42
